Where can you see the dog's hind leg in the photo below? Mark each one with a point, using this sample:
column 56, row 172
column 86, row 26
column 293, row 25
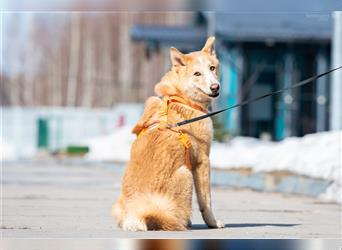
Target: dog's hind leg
column 182, row 187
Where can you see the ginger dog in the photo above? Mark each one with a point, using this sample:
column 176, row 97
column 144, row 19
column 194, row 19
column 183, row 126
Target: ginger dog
column 158, row 182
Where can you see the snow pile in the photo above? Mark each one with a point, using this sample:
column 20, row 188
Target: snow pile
column 315, row 155
column 112, row 147
column 7, row 152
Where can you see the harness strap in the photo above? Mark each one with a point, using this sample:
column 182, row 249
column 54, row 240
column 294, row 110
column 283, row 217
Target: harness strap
column 163, row 124
column 185, row 140
column 181, row 100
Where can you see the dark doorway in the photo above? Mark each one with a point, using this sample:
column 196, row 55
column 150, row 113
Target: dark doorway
column 261, row 71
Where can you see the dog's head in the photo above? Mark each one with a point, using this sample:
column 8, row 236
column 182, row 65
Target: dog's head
column 194, row 75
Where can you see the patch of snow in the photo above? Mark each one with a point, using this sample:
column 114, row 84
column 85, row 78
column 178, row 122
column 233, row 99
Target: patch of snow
column 316, row 155
column 6, row 151
column 112, row 147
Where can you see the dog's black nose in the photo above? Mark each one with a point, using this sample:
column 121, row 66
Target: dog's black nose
column 215, row 87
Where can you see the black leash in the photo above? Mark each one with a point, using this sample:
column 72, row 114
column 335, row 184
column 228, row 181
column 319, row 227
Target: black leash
column 301, row 83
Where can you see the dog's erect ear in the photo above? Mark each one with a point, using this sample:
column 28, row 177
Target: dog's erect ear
column 177, row 58
column 209, row 46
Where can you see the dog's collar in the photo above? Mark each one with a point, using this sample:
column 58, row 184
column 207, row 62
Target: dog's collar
column 181, row 100
column 162, row 122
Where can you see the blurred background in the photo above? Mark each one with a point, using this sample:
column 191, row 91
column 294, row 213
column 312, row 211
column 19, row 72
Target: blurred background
column 74, row 83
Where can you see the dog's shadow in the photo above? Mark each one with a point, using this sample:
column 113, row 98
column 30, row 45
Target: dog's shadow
column 243, row 225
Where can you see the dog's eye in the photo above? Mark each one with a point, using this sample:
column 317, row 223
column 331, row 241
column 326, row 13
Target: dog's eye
column 212, row 68
column 197, row 73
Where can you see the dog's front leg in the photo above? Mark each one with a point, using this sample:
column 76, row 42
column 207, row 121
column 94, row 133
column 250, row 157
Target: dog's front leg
column 201, row 174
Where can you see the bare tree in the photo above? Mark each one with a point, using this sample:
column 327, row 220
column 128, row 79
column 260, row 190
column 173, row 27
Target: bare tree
column 88, row 60
column 82, row 59
column 125, row 73
column 74, row 58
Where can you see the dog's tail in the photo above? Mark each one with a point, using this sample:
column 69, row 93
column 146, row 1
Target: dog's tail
column 158, row 212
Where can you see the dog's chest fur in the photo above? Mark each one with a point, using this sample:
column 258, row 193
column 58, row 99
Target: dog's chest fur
column 201, row 137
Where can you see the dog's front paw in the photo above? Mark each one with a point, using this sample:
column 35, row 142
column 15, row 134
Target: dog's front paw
column 219, row 224
column 216, row 224
column 210, row 220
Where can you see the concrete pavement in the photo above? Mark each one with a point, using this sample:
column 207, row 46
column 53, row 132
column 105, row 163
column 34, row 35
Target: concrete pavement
column 59, row 200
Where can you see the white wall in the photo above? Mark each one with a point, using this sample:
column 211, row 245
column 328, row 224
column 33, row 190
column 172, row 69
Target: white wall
column 19, row 131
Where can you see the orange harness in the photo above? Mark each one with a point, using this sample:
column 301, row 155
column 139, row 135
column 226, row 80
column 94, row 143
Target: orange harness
column 163, row 123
